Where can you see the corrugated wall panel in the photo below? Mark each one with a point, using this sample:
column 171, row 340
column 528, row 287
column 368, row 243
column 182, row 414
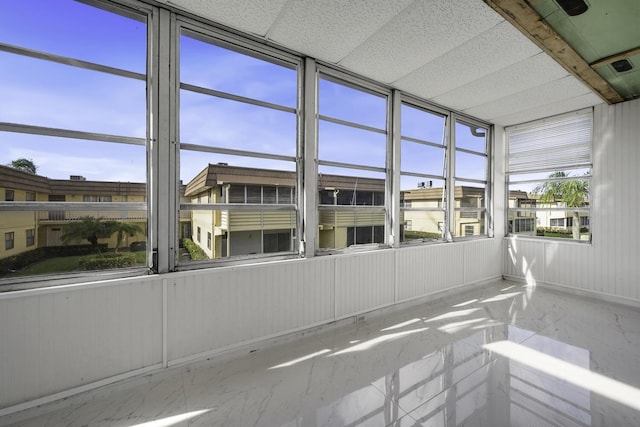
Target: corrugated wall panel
column 610, row 264
column 364, row 281
column 426, row 269
column 56, row 340
column 525, row 258
column 213, row 309
column 482, row 260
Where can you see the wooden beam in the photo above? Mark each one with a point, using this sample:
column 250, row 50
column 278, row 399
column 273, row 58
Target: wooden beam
column 616, row 57
column 530, row 23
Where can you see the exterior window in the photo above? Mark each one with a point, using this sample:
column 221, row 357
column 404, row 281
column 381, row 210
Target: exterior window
column 31, row 237
column 352, row 151
column 471, row 169
column 87, row 116
column 422, row 173
column 241, row 135
column 9, row 240
column 549, row 175
column 238, row 133
column 277, row 241
column 96, row 199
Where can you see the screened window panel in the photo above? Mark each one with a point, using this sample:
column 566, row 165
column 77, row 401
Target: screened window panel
column 551, row 144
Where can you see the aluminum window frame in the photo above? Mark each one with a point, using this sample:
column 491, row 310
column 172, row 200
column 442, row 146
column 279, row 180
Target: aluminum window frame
column 223, row 39
column 360, row 84
column 454, row 177
column 131, row 9
column 165, row 24
column 445, row 146
column 577, row 166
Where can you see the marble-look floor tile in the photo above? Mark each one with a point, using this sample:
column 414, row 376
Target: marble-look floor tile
column 499, row 355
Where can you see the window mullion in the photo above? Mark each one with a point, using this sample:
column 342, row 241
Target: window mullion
column 393, row 190
column 309, row 232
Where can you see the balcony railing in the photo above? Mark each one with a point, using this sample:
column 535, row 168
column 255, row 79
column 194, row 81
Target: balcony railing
column 56, row 216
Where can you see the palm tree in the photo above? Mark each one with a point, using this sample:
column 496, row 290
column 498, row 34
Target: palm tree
column 123, row 228
column 573, row 193
column 89, row 228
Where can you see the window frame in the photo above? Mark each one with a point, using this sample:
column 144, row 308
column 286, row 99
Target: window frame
column 243, row 46
column 165, row 25
column 517, row 211
column 131, row 9
column 407, row 206
column 365, row 86
column 454, row 178
column 9, row 240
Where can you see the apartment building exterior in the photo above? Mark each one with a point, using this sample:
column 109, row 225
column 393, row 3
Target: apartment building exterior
column 238, row 211
column 31, row 228
column 525, row 221
column 252, row 211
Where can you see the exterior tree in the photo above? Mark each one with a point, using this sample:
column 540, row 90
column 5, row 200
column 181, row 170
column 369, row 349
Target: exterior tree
column 572, row 193
column 92, row 229
column 89, row 228
column 123, row 228
column 24, row 165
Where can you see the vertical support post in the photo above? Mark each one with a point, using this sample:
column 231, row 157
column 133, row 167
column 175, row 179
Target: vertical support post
column 309, row 159
column 162, row 175
column 450, row 178
column 393, row 172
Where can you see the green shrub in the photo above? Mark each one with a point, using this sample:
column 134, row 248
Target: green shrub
column 411, row 235
column 107, row 261
column 195, row 252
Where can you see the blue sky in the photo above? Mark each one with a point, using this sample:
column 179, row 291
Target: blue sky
column 44, row 93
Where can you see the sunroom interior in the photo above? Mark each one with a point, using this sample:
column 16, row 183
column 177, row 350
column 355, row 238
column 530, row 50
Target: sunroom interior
column 316, row 206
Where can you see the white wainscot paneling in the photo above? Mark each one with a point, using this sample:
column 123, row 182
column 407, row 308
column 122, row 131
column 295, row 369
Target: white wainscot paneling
column 423, row 270
column 569, row 264
column 52, row 340
column 482, row 260
column 217, row 309
column 524, row 259
column 364, row 281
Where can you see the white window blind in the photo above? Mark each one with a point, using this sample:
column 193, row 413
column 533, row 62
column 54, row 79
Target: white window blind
column 557, row 143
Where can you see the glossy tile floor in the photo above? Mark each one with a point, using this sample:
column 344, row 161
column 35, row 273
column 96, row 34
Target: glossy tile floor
column 499, row 355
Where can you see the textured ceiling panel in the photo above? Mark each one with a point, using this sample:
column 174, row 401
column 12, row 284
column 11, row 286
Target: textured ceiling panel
column 252, row 16
column 491, row 51
column 550, row 109
column 532, row 72
column 420, row 33
column 557, row 90
column 329, row 30
column 459, row 53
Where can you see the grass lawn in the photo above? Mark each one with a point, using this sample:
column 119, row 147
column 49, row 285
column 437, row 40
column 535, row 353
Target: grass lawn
column 63, row 265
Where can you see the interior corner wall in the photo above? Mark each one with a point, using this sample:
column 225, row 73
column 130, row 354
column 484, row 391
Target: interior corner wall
column 58, row 341
column 609, row 265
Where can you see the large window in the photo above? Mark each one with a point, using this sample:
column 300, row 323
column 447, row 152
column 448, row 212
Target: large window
column 352, row 152
column 73, row 122
column 130, row 131
column 422, row 174
column 549, row 175
column 471, row 181
column 238, row 147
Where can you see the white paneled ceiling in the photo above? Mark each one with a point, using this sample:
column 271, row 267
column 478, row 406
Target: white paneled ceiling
column 457, row 53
